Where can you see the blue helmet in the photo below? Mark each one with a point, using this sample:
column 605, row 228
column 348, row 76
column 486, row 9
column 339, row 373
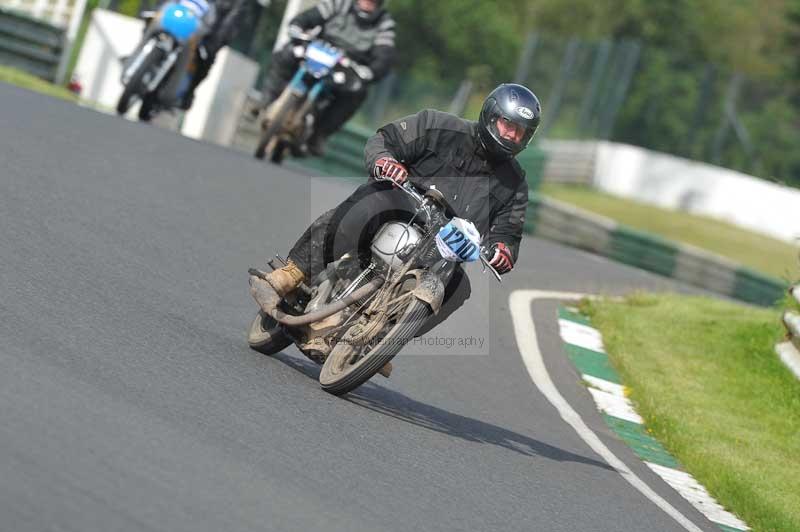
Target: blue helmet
column 515, row 103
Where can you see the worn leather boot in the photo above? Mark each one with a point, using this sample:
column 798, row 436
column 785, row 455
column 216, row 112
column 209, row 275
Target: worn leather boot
column 278, row 283
column 285, row 280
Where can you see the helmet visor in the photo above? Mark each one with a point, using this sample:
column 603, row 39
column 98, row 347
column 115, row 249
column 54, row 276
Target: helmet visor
column 512, row 133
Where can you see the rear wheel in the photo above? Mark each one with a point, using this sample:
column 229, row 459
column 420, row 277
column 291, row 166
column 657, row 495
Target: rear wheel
column 266, row 335
column 287, row 102
column 138, row 81
column 349, row 365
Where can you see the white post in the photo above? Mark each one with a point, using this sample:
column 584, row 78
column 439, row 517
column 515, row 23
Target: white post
column 75, row 20
column 293, row 7
column 69, row 40
column 792, row 323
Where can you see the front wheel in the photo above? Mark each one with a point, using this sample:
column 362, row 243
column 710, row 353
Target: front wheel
column 266, row 335
column 348, row 367
column 138, row 82
column 286, row 103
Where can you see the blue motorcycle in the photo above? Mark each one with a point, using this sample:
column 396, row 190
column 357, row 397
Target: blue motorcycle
column 289, row 121
column 158, row 72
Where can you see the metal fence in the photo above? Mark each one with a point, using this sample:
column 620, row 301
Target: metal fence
column 30, row 45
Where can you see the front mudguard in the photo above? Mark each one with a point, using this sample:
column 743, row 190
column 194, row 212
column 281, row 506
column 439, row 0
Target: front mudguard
column 429, row 289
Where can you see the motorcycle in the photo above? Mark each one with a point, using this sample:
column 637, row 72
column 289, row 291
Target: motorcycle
column 289, row 121
column 353, row 319
column 148, row 73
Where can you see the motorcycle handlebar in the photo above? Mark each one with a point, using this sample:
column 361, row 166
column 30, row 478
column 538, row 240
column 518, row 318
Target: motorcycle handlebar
column 409, row 188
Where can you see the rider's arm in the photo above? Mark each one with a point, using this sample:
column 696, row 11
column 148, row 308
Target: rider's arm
column 381, row 61
column 404, row 139
column 508, row 223
column 382, row 55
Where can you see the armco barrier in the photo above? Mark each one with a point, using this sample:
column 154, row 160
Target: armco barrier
column 572, row 226
column 643, row 250
column 30, row 45
column 757, row 288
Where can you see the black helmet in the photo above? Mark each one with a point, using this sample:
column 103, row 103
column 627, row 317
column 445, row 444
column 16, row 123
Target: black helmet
column 516, row 104
column 368, row 17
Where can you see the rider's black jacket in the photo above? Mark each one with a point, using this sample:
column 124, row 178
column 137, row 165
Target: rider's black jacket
column 445, row 149
column 371, row 45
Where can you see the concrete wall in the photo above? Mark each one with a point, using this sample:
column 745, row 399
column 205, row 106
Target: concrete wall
column 675, row 183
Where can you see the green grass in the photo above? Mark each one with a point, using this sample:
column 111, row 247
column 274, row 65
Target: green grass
column 27, row 81
column 757, row 251
column 704, row 376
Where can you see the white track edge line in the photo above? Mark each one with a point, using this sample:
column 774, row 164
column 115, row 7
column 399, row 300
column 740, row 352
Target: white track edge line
column 524, row 329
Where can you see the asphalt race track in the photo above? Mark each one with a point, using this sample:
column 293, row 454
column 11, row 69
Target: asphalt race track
column 130, row 401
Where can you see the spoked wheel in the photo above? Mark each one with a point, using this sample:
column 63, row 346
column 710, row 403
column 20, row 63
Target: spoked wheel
column 349, row 365
column 266, row 335
column 268, row 140
column 139, row 80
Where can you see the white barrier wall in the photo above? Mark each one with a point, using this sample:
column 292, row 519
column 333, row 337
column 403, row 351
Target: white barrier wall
column 218, row 100
column 110, row 36
column 699, row 188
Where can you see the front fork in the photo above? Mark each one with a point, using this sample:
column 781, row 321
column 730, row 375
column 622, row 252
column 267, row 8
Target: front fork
column 303, row 121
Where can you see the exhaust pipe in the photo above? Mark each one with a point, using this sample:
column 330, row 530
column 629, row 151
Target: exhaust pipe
column 271, row 299
column 296, row 321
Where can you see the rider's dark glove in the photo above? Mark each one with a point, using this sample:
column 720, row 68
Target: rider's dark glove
column 296, row 33
column 364, row 72
column 390, row 168
column 502, row 260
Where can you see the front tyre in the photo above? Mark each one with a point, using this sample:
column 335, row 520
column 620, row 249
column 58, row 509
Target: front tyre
column 139, row 80
column 286, row 103
column 346, row 368
column 266, row 335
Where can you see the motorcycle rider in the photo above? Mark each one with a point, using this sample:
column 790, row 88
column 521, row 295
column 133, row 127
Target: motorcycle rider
column 229, row 17
column 472, row 163
column 366, row 33
column 220, row 21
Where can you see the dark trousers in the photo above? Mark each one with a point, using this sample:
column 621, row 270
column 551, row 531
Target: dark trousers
column 350, row 228
column 345, row 103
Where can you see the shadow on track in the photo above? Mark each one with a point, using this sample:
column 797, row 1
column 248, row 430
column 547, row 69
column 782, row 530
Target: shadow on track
column 401, row 407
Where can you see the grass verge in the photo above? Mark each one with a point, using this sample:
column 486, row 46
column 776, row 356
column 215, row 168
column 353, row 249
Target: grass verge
column 27, row 81
column 757, row 251
column 704, row 376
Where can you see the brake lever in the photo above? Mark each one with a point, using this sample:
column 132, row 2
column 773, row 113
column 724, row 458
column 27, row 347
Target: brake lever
column 486, row 264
